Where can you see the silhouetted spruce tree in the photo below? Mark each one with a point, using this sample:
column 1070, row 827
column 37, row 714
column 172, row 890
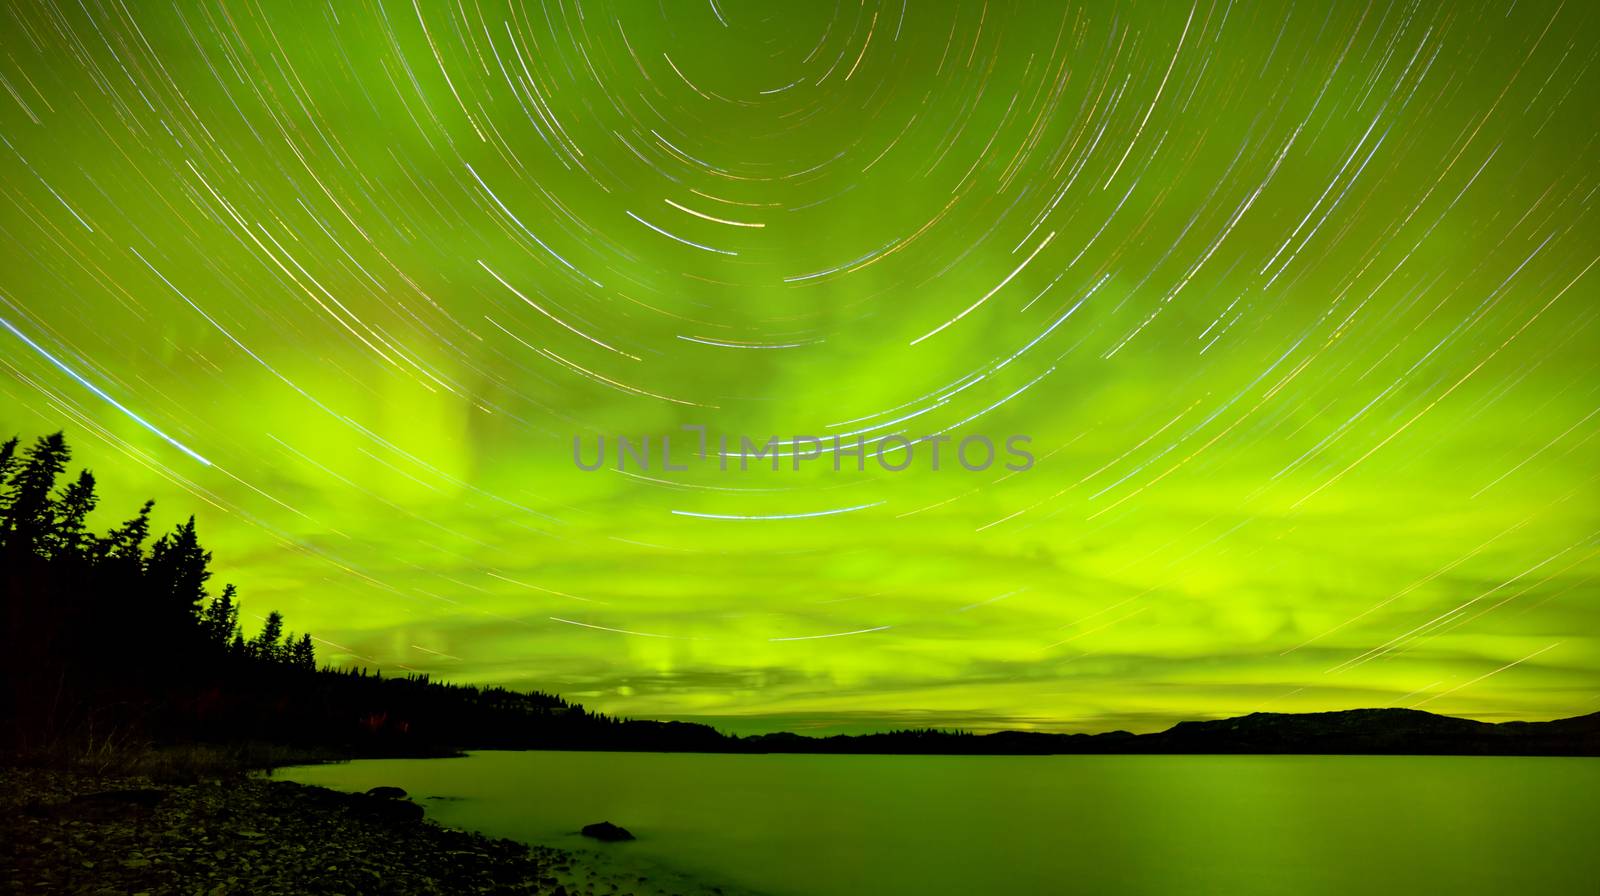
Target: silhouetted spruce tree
column 178, row 569
column 266, row 645
column 71, row 535
column 303, row 654
column 123, row 547
column 28, row 506
column 220, row 619
column 8, row 459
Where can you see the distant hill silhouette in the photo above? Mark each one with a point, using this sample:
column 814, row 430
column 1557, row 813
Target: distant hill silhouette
column 1382, row 731
column 104, row 641
column 1351, row 731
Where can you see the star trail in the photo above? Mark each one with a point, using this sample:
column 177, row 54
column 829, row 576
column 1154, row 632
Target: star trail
column 1296, row 302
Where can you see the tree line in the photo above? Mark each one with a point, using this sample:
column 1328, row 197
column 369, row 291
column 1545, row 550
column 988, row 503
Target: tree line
column 115, row 637
column 98, row 623
column 44, row 529
column 113, row 634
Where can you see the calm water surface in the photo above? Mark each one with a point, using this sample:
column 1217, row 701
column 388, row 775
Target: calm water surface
column 796, row 825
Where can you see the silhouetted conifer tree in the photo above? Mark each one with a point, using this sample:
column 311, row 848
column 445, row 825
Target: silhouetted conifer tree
column 220, row 619
column 266, row 645
column 303, row 655
column 28, row 507
column 71, row 534
column 8, row 459
column 124, row 545
column 177, row 570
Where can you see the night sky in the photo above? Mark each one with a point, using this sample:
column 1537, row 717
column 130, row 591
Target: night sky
column 1296, row 302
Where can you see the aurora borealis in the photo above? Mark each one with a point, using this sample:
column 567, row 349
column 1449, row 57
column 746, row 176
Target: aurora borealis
column 1297, row 304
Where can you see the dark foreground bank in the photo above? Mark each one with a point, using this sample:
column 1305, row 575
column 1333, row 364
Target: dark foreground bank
column 74, row 833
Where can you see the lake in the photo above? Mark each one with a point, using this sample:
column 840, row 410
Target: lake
column 822, row 825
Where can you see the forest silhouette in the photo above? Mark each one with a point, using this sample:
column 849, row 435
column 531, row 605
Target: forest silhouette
column 118, row 637
column 104, row 640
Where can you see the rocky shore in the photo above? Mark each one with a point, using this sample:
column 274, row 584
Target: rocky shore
column 74, row 833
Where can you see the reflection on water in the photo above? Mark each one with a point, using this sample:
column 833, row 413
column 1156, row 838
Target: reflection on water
column 1372, row 825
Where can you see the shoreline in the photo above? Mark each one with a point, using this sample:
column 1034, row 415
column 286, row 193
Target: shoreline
column 76, row 832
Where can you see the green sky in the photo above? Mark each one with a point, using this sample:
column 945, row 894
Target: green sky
column 1296, row 304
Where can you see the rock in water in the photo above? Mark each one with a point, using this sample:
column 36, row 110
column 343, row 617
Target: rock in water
column 392, row 793
column 606, row 831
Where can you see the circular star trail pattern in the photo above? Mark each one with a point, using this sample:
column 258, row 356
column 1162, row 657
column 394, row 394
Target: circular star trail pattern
column 1295, row 302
